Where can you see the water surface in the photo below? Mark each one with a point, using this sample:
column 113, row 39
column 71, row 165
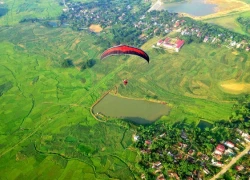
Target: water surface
column 136, row 111
column 192, row 7
column 204, row 124
column 3, row 11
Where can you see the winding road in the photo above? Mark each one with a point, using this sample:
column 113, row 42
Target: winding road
column 232, row 162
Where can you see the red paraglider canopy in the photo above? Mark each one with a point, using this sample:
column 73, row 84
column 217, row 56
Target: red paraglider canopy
column 125, row 82
column 124, row 49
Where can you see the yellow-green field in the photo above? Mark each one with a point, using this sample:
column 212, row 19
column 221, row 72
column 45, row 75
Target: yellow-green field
column 19, row 10
column 229, row 21
column 47, row 128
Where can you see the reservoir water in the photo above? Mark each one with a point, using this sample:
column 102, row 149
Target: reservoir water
column 192, row 7
column 136, row 111
column 3, row 11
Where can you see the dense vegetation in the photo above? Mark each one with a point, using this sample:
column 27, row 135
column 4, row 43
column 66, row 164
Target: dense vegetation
column 240, row 170
column 245, row 23
column 213, row 30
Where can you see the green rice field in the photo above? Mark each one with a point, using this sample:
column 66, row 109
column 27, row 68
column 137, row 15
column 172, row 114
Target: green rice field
column 230, row 22
column 47, row 128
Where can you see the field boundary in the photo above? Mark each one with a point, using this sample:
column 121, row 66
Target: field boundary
column 95, row 103
column 119, row 95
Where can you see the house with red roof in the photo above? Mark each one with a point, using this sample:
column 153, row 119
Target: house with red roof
column 177, row 24
column 171, row 43
column 160, row 42
column 179, row 44
column 148, row 142
column 239, row 168
column 219, row 149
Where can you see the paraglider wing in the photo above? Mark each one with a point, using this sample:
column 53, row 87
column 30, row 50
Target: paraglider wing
column 124, row 49
column 125, row 82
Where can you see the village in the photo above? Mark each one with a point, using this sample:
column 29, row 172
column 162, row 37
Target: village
column 137, row 28
column 182, row 30
column 203, row 162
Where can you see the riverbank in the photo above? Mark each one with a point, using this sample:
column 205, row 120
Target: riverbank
column 138, row 110
column 223, row 8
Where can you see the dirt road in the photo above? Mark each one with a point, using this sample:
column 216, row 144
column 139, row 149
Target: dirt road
column 232, row 162
column 156, row 6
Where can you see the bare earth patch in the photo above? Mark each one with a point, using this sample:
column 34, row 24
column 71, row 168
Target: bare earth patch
column 235, row 52
column 21, row 45
column 75, row 43
column 95, row 28
column 236, row 88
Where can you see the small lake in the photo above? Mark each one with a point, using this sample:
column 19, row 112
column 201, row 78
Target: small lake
column 192, row 7
column 204, row 124
column 3, row 11
column 136, row 111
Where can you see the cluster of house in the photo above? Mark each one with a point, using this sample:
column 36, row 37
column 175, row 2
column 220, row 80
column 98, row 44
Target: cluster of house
column 79, row 10
column 244, row 135
column 171, row 43
column 221, row 149
column 224, row 148
column 215, row 39
column 157, row 166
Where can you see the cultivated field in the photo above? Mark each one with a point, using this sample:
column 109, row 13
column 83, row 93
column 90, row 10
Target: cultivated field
column 45, row 109
column 229, row 21
column 47, row 127
column 19, row 10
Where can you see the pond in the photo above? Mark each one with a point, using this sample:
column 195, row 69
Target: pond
column 53, row 24
column 136, row 111
column 204, row 124
column 3, row 11
column 192, row 7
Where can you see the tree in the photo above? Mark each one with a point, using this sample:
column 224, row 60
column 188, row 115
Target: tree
column 91, row 63
column 67, row 63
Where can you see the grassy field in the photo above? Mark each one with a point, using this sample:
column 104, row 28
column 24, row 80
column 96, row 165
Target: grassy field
column 21, row 9
column 45, row 114
column 18, row 10
column 47, row 128
column 246, row 1
column 229, row 21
